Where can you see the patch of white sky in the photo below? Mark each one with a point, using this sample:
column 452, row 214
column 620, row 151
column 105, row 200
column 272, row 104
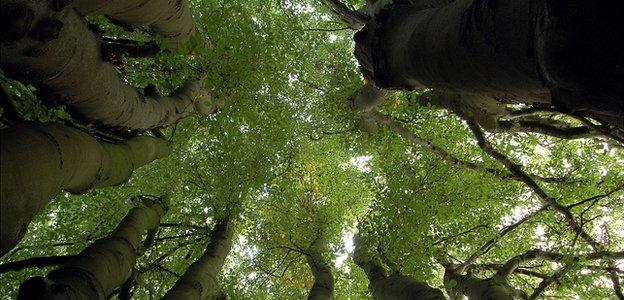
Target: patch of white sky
column 413, row 156
column 530, row 204
column 605, row 225
column 348, row 247
column 298, row 7
column 362, row 163
column 244, row 128
column 246, row 251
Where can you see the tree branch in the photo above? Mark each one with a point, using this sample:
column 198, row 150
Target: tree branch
column 131, row 48
column 542, row 127
column 519, row 270
column 326, row 29
column 545, row 198
column 196, row 227
column 605, row 130
column 490, row 243
column 10, row 111
column 517, row 171
column 548, row 281
column 409, row 136
column 597, row 197
column 352, row 18
column 531, row 110
column 35, row 262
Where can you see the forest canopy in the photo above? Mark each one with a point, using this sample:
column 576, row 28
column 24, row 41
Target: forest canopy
column 212, row 149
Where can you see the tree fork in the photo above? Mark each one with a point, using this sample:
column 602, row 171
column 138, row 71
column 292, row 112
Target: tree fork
column 494, row 288
column 101, row 267
column 114, row 49
column 171, row 19
column 60, row 54
column 39, row 160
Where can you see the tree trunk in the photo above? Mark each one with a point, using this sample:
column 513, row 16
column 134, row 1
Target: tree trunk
column 368, row 97
column 393, row 287
column 35, row 262
column 323, row 287
column 101, row 267
column 62, row 57
column 495, row 288
column 564, row 51
column 398, row 287
column 200, row 279
column 171, row 19
column 352, row 18
column 38, row 161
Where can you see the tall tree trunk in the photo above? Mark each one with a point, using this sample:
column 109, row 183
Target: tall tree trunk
column 62, row 57
column 171, row 19
column 368, row 97
column 323, row 287
column 399, row 287
column 495, row 288
column 200, row 279
column 38, row 161
column 103, row 266
column 533, row 50
column 393, row 287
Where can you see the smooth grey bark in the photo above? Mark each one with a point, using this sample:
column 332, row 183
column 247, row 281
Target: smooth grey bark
column 102, row 266
column 562, row 52
column 323, row 287
column 171, row 19
column 200, row 279
column 368, row 97
column 39, row 160
column 55, row 51
column 494, row 288
column 391, row 287
column 352, row 18
column 398, row 287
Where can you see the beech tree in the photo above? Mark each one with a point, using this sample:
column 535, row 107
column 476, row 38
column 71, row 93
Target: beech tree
column 323, row 287
column 517, row 51
column 52, row 41
column 61, row 158
column 104, row 265
column 472, row 183
column 393, row 286
column 170, row 19
column 200, row 279
column 63, row 58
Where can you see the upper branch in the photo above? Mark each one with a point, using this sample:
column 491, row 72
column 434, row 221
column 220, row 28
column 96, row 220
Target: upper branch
column 352, row 18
